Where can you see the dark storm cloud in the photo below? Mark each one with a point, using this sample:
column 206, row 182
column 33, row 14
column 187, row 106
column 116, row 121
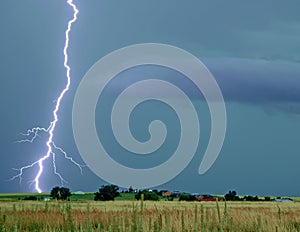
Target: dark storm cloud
column 251, row 47
column 257, row 81
column 253, row 29
column 267, row 83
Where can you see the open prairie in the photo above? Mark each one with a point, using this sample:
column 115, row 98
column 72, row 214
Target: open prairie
column 129, row 215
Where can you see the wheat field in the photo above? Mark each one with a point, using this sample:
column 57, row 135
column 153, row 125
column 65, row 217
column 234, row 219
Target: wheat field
column 149, row 216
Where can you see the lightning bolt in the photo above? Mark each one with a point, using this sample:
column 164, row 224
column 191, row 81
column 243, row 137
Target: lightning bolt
column 34, row 132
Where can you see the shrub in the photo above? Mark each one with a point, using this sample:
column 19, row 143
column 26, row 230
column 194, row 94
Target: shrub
column 107, row 193
column 187, row 197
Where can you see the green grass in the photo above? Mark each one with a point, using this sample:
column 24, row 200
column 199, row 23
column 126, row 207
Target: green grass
column 84, row 197
column 125, row 197
column 20, row 196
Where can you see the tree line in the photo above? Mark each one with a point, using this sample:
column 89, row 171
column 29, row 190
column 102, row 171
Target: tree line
column 110, row 192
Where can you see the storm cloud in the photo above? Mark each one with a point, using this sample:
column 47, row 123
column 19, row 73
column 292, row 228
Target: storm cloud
column 251, row 47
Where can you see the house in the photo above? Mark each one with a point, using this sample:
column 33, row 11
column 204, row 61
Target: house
column 166, row 194
column 279, row 199
column 176, row 194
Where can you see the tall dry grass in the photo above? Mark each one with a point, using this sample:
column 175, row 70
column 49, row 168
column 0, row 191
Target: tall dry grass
column 149, row 216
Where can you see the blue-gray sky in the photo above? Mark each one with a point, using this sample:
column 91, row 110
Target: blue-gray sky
column 252, row 49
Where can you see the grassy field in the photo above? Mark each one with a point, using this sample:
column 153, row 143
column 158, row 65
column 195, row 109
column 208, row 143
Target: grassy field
column 81, row 214
column 86, row 197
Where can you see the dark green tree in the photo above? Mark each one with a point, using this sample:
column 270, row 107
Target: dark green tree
column 55, row 193
column 148, row 195
column 60, row 193
column 187, row 197
column 64, row 193
column 231, row 196
column 107, row 193
column 130, row 190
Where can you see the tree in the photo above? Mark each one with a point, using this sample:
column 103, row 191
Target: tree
column 64, row 193
column 31, row 198
column 231, row 196
column 55, row 193
column 60, row 193
column 187, row 197
column 148, row 195
column 130, row 190
column 107, row 193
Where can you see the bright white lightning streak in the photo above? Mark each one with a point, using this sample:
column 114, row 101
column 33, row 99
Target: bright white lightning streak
column 35, row 132
column 50, row 130
column 68, row 157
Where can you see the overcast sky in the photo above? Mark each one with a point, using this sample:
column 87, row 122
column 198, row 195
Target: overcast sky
column 251, row 47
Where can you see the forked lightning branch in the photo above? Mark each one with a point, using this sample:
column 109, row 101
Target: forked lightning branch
column 86, row 98
column 33, row 133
